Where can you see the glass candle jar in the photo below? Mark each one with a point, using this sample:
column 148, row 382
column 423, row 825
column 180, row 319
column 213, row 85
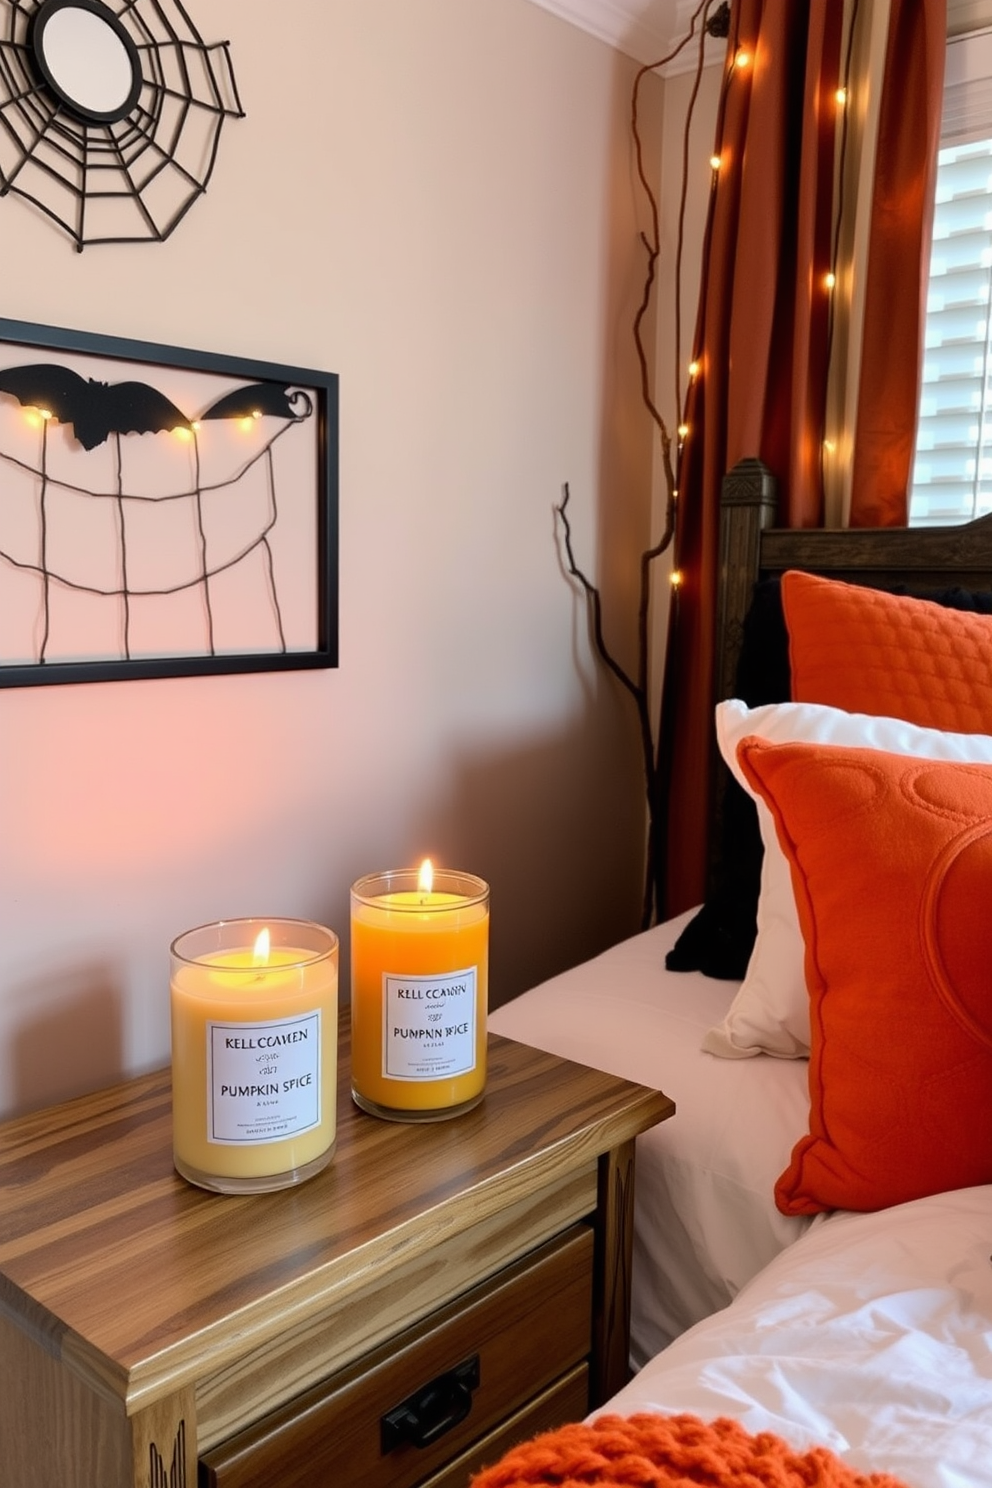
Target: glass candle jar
column 254, row 1053
column 419, row 993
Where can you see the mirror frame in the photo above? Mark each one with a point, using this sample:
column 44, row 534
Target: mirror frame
column 36, row 38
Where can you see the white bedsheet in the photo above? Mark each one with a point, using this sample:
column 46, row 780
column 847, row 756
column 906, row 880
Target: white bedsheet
column 705, row 1219
column 872, row 1336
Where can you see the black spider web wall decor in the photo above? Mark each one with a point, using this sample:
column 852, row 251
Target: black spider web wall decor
column 110, row 114
column 162, row 512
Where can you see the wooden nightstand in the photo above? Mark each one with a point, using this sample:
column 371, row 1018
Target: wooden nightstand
column 153, row 1335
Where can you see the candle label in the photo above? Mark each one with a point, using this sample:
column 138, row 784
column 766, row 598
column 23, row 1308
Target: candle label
column 428, row 1026
column 263, row 1079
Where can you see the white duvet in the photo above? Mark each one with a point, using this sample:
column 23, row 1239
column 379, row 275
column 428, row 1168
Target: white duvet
column 871, row 1335
column 705, row 1219
column 867, row 1333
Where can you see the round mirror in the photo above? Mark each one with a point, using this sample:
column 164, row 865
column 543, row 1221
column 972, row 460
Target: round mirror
column 87, row 58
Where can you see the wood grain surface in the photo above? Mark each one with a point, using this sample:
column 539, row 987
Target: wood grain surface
column 142, row 1284
column 525, row 1330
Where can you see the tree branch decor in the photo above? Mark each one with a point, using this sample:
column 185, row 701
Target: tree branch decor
column 714, row 20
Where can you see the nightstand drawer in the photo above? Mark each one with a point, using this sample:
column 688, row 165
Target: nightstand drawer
column 447, row 1382
column 566, row 1400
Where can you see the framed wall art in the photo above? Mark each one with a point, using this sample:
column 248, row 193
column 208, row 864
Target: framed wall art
column 163, row 512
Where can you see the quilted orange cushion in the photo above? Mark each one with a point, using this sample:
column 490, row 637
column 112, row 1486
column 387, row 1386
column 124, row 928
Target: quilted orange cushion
column 891, row 861
column 886, row 654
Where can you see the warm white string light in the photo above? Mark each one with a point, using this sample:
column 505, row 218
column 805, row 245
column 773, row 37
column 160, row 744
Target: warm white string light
column 741, row 63
column 742, row 60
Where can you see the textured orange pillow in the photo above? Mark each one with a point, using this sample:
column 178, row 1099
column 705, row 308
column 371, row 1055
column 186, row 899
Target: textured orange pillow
column 891, row 861
column 886, row 654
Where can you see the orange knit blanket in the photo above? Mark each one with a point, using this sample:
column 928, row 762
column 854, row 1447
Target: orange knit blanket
column 649, row 1451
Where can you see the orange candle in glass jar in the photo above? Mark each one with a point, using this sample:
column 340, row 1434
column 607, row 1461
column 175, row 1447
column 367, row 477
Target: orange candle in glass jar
column 419, row 993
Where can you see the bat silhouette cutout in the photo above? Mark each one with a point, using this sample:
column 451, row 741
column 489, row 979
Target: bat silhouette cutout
column 257, row 398
column 94, row 409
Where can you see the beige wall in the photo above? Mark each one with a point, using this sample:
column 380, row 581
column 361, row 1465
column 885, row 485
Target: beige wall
column 436, row 202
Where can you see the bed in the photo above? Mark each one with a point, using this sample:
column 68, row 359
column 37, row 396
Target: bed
column 813, row 1230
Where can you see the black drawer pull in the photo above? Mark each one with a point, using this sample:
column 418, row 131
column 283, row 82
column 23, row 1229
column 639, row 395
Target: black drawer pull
column 433, row 1409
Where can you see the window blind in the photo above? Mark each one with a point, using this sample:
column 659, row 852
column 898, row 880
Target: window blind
column 952, row 472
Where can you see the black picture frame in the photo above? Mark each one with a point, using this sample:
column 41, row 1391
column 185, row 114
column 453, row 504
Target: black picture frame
column 213, row 594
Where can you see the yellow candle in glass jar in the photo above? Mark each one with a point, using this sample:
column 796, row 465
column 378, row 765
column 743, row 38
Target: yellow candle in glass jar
column 419, row 993
column 254, row 1053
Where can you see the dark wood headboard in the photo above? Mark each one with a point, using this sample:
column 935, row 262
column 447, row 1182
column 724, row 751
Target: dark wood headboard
column 751, row 548
column 882, row 557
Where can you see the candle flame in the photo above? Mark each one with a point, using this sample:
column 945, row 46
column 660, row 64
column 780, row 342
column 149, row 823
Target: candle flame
column 425, row 878
column 263, row 943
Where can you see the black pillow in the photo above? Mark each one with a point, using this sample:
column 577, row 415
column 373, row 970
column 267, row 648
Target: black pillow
column 719, row 939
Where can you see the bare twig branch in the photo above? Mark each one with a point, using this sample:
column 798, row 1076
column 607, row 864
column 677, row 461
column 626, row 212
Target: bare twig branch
column 639, row 687
column 594, row 598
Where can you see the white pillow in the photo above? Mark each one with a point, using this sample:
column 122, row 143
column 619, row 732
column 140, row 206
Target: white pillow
column 770, row 1014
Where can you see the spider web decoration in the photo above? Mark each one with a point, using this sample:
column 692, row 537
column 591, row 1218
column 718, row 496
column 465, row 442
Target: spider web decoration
column 132, row 179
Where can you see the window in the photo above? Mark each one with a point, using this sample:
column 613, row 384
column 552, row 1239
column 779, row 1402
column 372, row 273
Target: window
column 952, row 472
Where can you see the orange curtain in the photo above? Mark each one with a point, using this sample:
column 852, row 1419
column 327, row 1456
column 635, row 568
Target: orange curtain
column 763, row 335
column 898, row 263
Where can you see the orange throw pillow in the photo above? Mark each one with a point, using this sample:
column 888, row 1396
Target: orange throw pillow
column 886, row 654
column 891, row 861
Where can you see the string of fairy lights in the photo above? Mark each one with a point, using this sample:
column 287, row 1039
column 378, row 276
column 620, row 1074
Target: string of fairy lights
column 743, row 64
